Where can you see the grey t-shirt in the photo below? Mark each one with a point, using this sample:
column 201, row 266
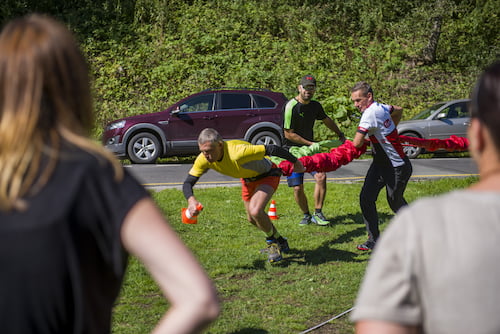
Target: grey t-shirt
column 437, row 265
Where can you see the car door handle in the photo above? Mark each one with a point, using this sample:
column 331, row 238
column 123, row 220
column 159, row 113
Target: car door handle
column 251, row 115
column 210, row 117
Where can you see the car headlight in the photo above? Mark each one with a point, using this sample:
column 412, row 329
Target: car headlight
column 116, row 125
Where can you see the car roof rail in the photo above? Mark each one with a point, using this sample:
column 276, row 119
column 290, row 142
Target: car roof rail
column 237, row 88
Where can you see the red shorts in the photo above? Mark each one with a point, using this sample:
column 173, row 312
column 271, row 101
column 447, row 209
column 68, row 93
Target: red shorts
column 248, row 188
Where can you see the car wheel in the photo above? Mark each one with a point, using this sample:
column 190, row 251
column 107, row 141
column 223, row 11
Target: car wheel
column 411, row 151
column 143, row 148
column 266, row 138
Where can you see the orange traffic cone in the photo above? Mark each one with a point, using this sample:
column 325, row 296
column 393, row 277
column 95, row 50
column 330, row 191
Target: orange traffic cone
column 186, row 216
column 272, row 211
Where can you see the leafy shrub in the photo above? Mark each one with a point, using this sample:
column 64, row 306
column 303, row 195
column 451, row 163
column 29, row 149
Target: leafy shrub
column 145, row 55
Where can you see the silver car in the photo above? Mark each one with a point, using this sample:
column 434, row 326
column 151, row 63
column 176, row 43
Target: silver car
column 439, row 121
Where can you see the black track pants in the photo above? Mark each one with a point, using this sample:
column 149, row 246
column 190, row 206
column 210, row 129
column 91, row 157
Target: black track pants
column 395, row 180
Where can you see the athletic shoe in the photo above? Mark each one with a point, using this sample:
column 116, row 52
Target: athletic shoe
column 366, row 246
column 273, row 252
column 320, row 219
column 274, row 249
column 282, row 244
column 306, row 220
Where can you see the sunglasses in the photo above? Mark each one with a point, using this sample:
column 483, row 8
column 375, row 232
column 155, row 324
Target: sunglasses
column 309, row 87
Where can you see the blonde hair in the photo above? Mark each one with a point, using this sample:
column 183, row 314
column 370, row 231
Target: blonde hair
column 45, row 100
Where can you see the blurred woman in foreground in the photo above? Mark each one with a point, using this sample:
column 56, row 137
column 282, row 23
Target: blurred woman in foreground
column 69, row 213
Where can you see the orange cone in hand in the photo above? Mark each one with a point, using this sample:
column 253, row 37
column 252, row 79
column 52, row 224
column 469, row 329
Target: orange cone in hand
column 272, row 210
column 186, row 216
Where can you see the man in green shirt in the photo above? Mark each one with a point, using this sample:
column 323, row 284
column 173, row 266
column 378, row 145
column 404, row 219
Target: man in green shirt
column 301, row 113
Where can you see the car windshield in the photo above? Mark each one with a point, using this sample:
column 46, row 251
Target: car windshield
column 427, row 112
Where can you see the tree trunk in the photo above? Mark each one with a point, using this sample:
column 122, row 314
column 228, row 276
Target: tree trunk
column 429, row 52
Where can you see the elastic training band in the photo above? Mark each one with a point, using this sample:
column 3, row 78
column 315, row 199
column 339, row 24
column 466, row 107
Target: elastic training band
column 324, row 323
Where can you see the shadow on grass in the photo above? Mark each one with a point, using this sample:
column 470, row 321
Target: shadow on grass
column 323, row 254
column 250, row 331
column 356, row 218
column 326, row 252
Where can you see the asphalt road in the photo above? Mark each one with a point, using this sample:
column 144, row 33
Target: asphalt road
column 162, row 176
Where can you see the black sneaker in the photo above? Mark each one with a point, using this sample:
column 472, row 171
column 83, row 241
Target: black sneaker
column 366, row 246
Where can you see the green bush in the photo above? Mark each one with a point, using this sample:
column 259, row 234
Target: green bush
column 147, row 54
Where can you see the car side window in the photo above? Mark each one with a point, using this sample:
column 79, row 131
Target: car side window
column 457, row 110
column 452, row 112
column 264, row 102
column 235, row 101
column 463, row 110
column 199, row 103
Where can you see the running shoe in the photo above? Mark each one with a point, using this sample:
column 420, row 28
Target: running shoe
column 366, row 246
column 306, row 220
column 320, row 219
column 282, row 243
column 276, row 246
column 273, row 252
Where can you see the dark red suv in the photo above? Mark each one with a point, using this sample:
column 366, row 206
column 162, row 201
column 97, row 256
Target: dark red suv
column 254, row 115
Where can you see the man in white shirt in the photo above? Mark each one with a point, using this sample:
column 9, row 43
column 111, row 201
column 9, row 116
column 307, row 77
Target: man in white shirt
column 435, row 268
column 390, row 168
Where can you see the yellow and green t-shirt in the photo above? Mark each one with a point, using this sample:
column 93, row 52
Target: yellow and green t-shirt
column 241, row 160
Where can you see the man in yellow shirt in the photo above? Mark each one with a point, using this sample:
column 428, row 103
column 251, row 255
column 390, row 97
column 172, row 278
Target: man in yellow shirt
column 259, row 178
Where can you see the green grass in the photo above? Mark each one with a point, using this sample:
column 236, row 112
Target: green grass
column 316, row 281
